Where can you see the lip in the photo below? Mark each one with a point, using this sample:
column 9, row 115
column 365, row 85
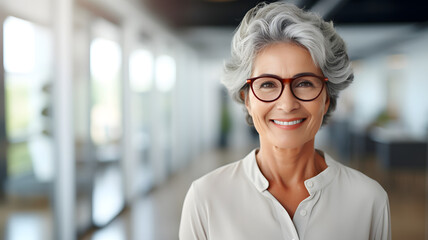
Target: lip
column 288, row 127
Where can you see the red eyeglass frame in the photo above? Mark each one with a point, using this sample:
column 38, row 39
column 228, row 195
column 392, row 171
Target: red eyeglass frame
column 286, row 81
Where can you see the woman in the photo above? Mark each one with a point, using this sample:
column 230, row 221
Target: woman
column 287, row 68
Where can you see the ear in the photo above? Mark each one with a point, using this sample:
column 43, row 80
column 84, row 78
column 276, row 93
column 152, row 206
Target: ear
column 327, row 104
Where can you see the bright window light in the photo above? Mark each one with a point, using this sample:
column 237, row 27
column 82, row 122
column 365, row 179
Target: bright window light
column 105, row 59
column 19, row 46
column 165, row 73
column 105, row 67
column 23, row 225
column 141, row 70
column 107, row 198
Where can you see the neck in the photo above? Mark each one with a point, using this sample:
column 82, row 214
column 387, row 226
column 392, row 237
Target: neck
column 289, row 166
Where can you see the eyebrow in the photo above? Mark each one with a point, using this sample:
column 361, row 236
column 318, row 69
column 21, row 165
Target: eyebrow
column 295, row 76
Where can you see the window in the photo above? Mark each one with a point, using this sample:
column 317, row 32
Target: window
column 27, row 85
column 141, row 70
column 106, row 111
column 165, row 73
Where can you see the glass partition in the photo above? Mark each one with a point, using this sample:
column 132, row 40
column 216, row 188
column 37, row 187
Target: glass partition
column 141, row 73
column 106, row 124
column 29, row 159
column 165, row 81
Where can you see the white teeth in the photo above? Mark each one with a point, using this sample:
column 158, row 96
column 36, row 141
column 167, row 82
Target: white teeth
column 288, row 123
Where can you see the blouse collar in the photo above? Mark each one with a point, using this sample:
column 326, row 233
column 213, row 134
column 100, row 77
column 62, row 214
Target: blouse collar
column 313, row 184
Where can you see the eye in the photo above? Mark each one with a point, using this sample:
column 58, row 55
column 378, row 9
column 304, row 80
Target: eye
column 304, row 83
column 268, row 84
column 307, row 82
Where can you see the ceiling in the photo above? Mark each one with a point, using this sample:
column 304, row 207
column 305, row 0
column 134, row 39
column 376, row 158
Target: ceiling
column 228, row 13
column 367, row 26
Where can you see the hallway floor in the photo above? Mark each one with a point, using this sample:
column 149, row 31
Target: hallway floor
column 156, row 215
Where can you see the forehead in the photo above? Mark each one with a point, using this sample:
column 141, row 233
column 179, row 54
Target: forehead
column 285, row 60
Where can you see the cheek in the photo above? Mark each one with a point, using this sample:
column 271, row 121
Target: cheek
column 318, row 112
column 251, row 104
column 320, row 106
column 258, row 110
column 320, row 109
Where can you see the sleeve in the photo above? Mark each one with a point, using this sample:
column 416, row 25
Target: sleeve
column 193, row 219
column 382, row 230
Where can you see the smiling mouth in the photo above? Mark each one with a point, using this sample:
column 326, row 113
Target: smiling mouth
column 291, row 123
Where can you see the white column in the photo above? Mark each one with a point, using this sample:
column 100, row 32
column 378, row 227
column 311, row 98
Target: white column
column 128, row 160
column 64, row 185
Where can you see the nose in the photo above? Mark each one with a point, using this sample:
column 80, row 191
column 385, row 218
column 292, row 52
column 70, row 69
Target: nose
column 287, row 102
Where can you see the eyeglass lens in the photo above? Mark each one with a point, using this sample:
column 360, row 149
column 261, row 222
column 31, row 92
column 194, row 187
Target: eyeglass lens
column 303, row 88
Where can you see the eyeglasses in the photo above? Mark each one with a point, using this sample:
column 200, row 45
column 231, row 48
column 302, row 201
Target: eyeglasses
column 304, row 86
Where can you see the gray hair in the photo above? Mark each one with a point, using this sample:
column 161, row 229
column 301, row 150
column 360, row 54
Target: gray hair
column 276, row 22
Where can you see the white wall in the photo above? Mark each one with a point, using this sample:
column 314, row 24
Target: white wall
column 367, row 90
column 405, row 68
column 414, row 111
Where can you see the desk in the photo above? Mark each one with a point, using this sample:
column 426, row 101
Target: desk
column 400, row 150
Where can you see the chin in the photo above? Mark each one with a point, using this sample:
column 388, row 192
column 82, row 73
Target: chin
column 288, row 143
column 288, row 146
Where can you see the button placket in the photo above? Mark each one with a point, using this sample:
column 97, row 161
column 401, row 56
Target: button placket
column 304, row 210
column 310, row 184
column 287, row 226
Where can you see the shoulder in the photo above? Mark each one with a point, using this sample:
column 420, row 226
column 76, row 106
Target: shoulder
column 359, row 185
column 226, row 184
column 220, row 177
column 212, row 187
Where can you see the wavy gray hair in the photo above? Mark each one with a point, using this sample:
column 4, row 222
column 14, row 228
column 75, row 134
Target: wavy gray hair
column 276, row 22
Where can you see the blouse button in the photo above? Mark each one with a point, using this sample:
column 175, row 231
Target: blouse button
column 303, row 213
column 310, row 184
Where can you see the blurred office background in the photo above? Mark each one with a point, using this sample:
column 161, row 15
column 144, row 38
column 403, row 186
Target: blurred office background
column 110, row 108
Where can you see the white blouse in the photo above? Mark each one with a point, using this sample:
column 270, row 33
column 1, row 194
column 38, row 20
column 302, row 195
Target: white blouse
column 233, row 203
